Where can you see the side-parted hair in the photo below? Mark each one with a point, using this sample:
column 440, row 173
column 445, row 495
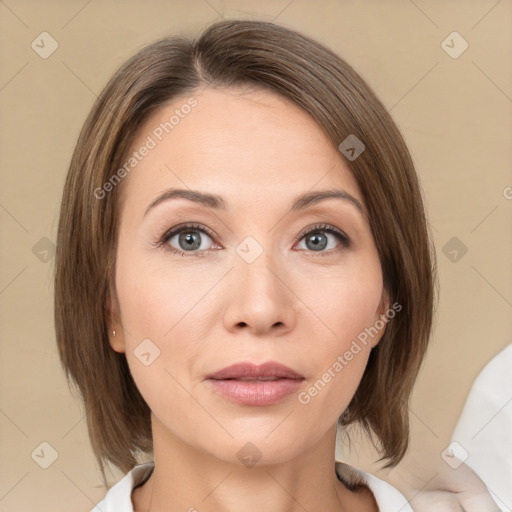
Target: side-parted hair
column 255, row 54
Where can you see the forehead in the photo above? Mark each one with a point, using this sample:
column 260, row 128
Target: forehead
column 236, row 142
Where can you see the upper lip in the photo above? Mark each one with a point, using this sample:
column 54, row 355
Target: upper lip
column 248, row 369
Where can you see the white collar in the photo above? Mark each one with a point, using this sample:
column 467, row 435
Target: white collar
column 118, row 498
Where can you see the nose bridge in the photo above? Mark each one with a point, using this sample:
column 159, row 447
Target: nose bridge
column 259, row 296
column 258, row 266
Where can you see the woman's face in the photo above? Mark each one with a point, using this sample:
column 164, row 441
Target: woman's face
column 254, row 279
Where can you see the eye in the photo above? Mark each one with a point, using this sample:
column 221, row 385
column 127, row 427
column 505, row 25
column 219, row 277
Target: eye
column 317, row 239
column 187, row 239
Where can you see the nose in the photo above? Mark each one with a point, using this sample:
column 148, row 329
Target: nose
column 260, row 300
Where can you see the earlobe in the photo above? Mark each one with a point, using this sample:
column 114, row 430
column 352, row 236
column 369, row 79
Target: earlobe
column 385, row 303
column 115, row 331
column 116, row 341
column 381, row 317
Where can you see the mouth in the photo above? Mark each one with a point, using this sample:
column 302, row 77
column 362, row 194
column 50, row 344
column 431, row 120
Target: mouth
column 256, row 379
column 252, row 385
column 247, row 371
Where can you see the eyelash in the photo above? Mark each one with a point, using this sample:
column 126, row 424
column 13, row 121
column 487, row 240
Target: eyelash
column 326, row 228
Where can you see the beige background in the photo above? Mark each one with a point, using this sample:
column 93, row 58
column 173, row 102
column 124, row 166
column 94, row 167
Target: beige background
column 456, row 116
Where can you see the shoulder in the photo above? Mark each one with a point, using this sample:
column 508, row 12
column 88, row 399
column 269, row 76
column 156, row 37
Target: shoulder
column 489, row 394
column 388, row 498
column 497, row 371
column 119, row 497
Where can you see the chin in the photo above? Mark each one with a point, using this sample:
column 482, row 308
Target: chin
column 258, row 449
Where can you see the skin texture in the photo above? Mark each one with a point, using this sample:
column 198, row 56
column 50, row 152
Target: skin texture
column 293, row 304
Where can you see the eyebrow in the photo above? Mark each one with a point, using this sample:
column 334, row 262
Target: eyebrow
column 217, row 202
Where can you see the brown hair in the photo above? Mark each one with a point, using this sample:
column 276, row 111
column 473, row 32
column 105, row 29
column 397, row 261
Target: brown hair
column 255, row 54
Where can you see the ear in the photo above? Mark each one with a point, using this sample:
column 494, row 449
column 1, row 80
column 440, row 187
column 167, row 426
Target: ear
column 385, row 303
column 381, row 317
column 117, row 341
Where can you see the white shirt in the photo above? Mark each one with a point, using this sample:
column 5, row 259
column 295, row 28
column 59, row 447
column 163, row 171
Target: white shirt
column 118, row 497
column 484, row 430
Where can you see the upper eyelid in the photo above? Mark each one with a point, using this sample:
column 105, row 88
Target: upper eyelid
column 178, row 229
column 329, row 228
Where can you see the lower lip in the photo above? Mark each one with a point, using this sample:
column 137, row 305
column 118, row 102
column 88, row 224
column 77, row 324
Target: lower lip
column 255, row 392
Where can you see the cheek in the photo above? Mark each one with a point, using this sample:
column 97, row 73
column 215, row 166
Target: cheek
column 345, row 301
column 160, row 310
column 157, row 345
column 157, row 299
column 346, row 307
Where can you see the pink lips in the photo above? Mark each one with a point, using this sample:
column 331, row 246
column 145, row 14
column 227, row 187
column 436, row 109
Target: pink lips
column 249, row 384
column 241, row 370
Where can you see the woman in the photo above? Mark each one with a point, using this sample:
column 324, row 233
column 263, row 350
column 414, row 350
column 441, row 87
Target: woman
column 243, row 265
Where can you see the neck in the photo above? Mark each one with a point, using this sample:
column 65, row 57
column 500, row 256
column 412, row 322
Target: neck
column 188, row 479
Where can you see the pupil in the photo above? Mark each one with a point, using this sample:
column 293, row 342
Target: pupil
column 191, row 240
column 316, row 242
